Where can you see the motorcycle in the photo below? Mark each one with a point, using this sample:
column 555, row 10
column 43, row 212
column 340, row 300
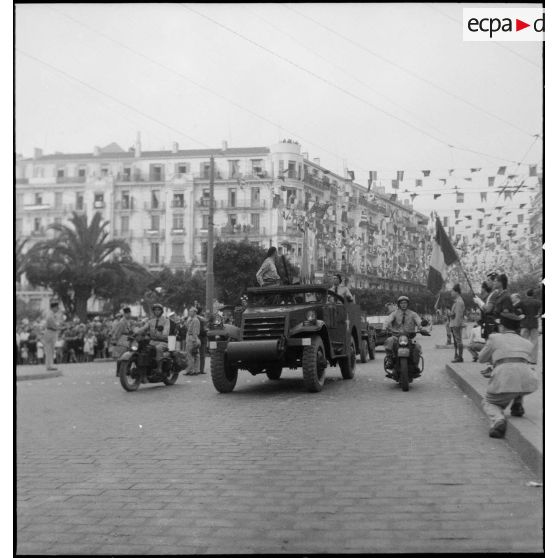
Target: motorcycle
column 139, row 362
column 405, row 370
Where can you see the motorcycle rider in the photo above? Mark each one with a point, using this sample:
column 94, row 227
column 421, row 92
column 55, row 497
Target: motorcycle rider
column 158, row 329
column 401, row 320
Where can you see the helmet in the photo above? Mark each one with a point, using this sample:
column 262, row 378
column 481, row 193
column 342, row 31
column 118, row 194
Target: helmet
column 157, row 305
column 401, row 299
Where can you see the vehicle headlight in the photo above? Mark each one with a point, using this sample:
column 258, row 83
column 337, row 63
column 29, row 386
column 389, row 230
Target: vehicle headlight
column 403, row 340
column 134, row 346
column 311, row 315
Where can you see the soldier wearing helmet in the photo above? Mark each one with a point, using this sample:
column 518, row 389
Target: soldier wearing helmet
column 158, row 329
column 402, row 320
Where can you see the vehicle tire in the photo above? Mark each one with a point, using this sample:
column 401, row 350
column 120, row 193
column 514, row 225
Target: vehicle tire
column 129, row 375
column 223, row 376
column 314, row 365
column 363, row 350
column 171, row 380
column 372, row 349
column 274, row 372
column 404, row 374
column 347, row 364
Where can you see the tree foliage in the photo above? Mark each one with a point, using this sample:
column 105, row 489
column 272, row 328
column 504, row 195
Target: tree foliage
column 21, row 258
column 80, row 261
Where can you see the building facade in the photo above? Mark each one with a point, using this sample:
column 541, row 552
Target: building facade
column 158, row 201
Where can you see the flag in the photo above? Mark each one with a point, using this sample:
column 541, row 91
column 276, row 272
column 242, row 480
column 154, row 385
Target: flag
column 483, row 196
column 468, row 179
column 508, row 195
column 418, row 182
column 443, row 255
column 395, row 184
column 512, row 176
column 468, row 217
column 426, row 172
column 400, row 175
column 442, row 180
column 413, row 196
column 241, row 182
column 532, row 170
column 436, row 196
column 491, row 181
column 451, row 171
column 481, row 209
column 501, row 170
column 460, row 197
column 351, row 174
column 475, row 170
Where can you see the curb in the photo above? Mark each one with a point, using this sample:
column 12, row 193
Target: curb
column 445, row 346
column 38, row 376
column 530, row 455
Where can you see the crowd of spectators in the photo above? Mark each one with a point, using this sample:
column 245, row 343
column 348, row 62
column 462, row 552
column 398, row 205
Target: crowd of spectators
column 77, row 342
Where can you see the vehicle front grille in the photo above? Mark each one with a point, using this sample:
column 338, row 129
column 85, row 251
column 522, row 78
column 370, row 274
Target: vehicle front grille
column 261, row 327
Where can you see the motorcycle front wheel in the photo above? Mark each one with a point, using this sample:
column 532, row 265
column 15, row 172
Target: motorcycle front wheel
column 129, row 375
column 172, row 377
column 404, row 374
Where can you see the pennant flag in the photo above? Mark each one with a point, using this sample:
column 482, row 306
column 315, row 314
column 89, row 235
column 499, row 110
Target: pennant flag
column 451, row 171
column 483, row 196
column 351, row 174
column 499, row 207
column 436, row 196
column 475, row 170
column 532, row 170
column 460, row 197
column 395, row 184
column 426, row 173
column 501, row 170
column 468, row 217
column 512, row 176
column 442, row 180
column 508, row 196
column 418, row 182
column 522, row 205
column 443, row 255
column 468, row 179
column 481, row 209
column 491, row 180
column 413, row 196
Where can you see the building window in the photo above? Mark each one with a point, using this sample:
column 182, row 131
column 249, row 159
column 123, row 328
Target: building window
column 60, row 173
column 38, row 199
column 104, row 170
column 124, row 224
column 37, row 224
column 255, row 221
column 99, row 200
column 520, row 219
column 178, row 200
column 204, row 170
column 154, row 199
column 233, row 219
column 154, row 253
column 292, row 169
column 58, row 200
column 19, row 200
column 81, row 171
column 125, row 202
column 156, row 173
column 255, row 196
column 177, row 252
column 234, row 169
column 127, row 174
column 154, row 222
column 183, row 168
column 38, row 172
column 257, row 167
column 79, row 201
column 232, row 197
column 204, row 252
column 205, row 222
column 178, row 221
column 281, row 167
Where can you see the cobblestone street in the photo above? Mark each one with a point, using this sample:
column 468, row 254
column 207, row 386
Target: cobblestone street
column 359, row 467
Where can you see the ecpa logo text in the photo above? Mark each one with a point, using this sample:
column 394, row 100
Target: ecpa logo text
column 494, row 25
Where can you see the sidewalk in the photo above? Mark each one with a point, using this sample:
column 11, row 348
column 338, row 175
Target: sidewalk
column 35, row 372
column 524, row 434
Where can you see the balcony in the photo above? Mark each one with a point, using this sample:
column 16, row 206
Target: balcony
column 127, row 234
column 36, row 207
column 181, row 231
column 178, row 204
column 154, row 233
column 123, row 205
column 70, row 179
column 204, row 202
column 38, row 233
column 99, row 205
column 148, row 207
column 152, row 263
column 156, row 177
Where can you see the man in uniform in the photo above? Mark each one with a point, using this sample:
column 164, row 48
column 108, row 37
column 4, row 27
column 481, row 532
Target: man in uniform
column 267, row 274
column 50, row 335
column 120, row 332
column 158, row 329
column 457, row 321
column 401, row 320
column 487, row 306
column 340, row 289
column 511, row 377
column 193, row 343
column 530, row 323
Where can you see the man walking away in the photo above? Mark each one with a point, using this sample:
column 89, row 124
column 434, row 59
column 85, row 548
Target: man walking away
column 512, row 376
column 50, row 335
column 530, row 324
column 457, row 316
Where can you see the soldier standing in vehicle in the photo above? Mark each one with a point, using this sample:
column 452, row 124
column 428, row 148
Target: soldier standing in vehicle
column 267, row 274
column 340, row 289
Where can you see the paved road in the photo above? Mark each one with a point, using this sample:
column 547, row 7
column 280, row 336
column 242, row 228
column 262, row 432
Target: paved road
column 359, row 467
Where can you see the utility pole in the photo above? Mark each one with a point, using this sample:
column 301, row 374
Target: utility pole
column 209, row 275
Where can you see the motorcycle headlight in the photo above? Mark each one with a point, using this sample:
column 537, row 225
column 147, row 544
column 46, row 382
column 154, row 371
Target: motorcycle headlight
column 218, row 320
column 403, row 341
column 134, row 346
column 311, row 315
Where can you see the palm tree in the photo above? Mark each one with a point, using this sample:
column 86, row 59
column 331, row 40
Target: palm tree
column 80, row 259
column 20, row 257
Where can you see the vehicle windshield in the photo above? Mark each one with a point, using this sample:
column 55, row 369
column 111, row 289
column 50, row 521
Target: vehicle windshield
column 286, row 298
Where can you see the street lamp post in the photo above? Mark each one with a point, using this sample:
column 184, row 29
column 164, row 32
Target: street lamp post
column 209, row 276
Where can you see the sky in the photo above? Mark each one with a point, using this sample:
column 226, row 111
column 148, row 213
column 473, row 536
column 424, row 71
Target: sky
column 382, row 87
